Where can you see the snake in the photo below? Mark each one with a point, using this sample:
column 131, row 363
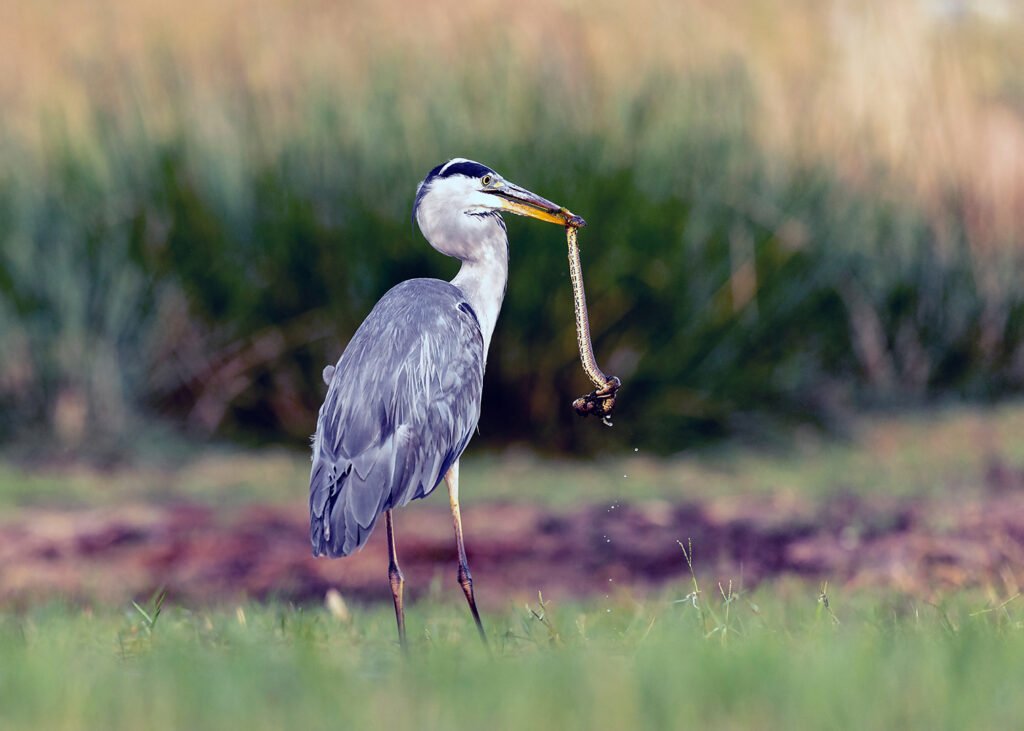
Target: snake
column 601, row 401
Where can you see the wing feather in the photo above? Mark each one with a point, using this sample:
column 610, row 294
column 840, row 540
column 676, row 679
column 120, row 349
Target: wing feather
column 402, row 404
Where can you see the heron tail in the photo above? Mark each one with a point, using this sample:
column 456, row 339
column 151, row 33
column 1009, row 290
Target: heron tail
column 346, row 496
column 342, row 511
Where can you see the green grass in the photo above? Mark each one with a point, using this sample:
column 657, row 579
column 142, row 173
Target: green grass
column 929, row 452
column 774, row 659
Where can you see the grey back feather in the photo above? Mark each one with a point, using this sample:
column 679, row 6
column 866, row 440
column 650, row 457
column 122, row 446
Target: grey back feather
column 402, row 404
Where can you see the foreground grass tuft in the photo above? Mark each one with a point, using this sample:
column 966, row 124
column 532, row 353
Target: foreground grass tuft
column 772, row 659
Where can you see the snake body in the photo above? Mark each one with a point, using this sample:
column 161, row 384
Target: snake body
column 600, row 402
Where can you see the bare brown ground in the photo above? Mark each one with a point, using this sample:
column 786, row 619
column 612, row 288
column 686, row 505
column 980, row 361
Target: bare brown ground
column 111, row 555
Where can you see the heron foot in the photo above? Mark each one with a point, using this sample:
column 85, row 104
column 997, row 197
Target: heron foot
column 465, row 578
column 466, row 582
column 397, row 582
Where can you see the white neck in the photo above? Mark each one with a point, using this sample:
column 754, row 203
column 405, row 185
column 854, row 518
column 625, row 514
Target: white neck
column 483, row 281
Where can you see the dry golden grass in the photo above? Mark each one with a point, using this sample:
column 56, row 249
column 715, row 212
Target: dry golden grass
column 933, row 99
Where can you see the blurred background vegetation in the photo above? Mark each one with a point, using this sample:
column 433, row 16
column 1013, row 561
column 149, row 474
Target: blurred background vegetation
column 795, row 211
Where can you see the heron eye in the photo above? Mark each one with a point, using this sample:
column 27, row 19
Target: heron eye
column 486, row 180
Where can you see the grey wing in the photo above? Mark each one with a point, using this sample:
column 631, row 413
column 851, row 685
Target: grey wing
column 402, row 405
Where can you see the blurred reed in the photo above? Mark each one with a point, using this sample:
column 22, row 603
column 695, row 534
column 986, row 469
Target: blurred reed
column 792, row 211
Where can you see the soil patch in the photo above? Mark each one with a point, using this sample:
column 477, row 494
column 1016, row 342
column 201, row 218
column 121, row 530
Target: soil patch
column 204, row 555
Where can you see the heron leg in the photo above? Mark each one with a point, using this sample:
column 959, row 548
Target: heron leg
column 396, row 580
column 465, row 578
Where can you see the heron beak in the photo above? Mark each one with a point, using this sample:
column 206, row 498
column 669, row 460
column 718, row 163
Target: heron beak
column 524, row 203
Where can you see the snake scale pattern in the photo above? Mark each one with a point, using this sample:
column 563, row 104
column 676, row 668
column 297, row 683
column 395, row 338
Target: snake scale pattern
column 600, row 402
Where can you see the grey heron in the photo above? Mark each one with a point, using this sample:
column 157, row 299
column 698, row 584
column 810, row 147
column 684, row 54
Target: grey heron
column 403, row 399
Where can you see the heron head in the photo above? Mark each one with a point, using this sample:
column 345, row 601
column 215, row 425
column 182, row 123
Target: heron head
column 460, row 190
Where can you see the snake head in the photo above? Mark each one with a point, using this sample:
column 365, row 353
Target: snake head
column 600, row 402
column 572, row 220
